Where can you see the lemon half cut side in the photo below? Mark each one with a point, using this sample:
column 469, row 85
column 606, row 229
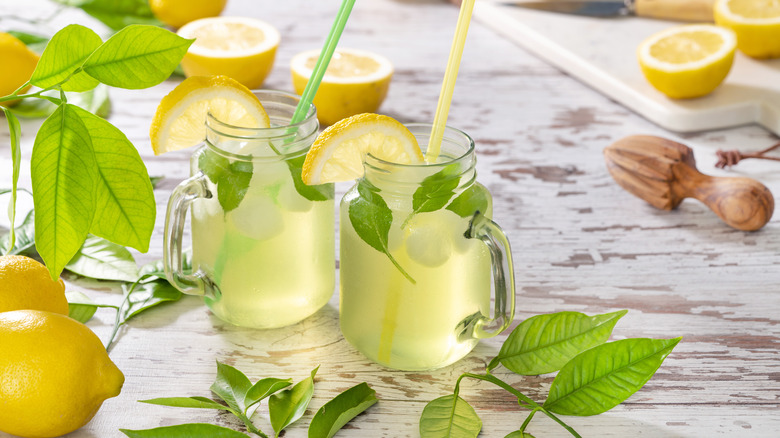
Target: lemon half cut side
column 756, row 23
column 687, row 61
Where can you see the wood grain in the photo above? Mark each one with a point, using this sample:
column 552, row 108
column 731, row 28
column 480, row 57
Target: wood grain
column 580, row 243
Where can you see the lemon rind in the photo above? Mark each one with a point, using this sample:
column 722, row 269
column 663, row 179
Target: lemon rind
column 298, row 65
column 728, row 46
column 271, row 40
column 722, row 7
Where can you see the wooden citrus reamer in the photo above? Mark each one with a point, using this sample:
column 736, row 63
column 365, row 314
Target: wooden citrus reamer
column 663, row 173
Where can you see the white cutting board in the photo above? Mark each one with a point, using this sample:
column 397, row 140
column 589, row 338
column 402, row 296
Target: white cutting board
column 602, row 53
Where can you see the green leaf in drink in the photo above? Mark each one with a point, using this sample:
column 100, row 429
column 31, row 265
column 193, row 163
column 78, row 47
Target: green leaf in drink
column 187, row 402
column 103, row 260
column 288, row 406
column 471, row 200
column 138, row 56
column 436, row 190
column 590, row 385
column 212, row 164
column 231, row 386
column 15, row 131
column 233, row 184
column 545, row 343
column 322, row 192
column 64, row 177
column 185, row 431
column 333, row 415
column 449, row 416
column 125, row 198
column 64, row 55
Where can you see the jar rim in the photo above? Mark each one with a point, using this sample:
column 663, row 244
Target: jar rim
column 451, row 135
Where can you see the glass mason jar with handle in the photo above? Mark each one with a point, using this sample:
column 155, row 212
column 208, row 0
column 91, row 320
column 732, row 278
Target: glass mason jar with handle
column 417, row 251
column 262, row 240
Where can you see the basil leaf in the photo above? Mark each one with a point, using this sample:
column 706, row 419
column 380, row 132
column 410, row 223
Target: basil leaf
column 371, row 218
column 231, row 386
column 473, row 199
column 449, row 416
column 64, row 176
column 103, row 260
column 125, row 206
column 15, row 131
column 599, row 379
column 65, row 53
column 80, row 307
column 264, row 388
column 233, row 184
column 344, row 407
column 545, row 343
column 192, row 430
column 138, row 56
column 187, row 402
column 148, row 295
column 25, row 238
column 288, row 406
column 321, row 192
column 435, row 190
column 117, row 14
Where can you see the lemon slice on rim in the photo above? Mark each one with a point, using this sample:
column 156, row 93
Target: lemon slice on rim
column 180, row 120
column 756, row 23
column 242, row 48
column 355, row 82
column 687, row 61
column 337, row 154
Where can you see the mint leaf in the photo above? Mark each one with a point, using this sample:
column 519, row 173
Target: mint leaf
column 545, row 343
column 212, row 164
column 125, row 200
column 321, row 192
column 449, row 416
column 231, row 386
column 187, row 402
column 233, row 184
column 344, row 407
column 64, row 175
column 371, row 219
column 599, row 379
column 25, row 238
column 15, row 131
column 103, row 260
column 117, row 14
column 473, row 199
column 65, row 53
column 436, row 190
column 288, row 406
column 185, row 431
column 138, row 56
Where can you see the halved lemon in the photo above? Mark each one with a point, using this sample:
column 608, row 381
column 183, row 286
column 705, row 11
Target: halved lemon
column 688, row 61
column 239, row 47
column 337, row 154
column 176, row 13
column 180, row 120
column 355, row 82
column 756, row 23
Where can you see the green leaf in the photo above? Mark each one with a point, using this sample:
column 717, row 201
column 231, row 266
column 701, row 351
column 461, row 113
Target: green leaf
column 34, row 42
column 436, row 190
column 25, row 238
column 65, row 53
column 473, row 199
column 599, row 379
column 15, row 131
column 288, row 406
column 321, row 192
column 371, row 218
column 95, row 101
column 64, row 176
column 103, row 260
column 138, row 56
column 264, row 388
column 545, row 343
column 449, row 417
column 344, row 407
column 148, row 295
column 212, row 164
column 192, row 430
column 125, row 206
column 117, row 14
column 187, row 402
column 231, row 386
column 80, row 307
column 518, row 434
column 233, row 184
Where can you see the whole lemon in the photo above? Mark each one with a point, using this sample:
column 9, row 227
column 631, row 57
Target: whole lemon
column 19, row 62
column 177, row 13
column 54, row 374
column 26, row 284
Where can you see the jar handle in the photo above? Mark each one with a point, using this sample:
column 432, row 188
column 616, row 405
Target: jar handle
column 182, row 196
column 494, row 237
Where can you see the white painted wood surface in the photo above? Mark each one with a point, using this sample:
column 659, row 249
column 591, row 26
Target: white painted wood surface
column 580, row 243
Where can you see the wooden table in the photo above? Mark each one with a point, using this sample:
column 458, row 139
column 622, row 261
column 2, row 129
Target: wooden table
column 580, row 243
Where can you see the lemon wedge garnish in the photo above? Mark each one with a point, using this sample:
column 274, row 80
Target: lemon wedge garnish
column 180, row 120
column 756, row 23
column 337, row 154
column 239, row 47
column 687, row 61
column 355, row 82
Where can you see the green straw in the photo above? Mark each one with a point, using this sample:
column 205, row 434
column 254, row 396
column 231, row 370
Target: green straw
column 322, row 62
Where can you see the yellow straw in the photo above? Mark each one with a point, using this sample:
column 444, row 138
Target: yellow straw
column 448, row 86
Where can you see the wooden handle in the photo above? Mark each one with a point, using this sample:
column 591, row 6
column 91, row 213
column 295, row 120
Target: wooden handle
column 742, row 203
column 679, row 10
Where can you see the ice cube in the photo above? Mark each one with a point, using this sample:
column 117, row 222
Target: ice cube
column 429, row 239
column 257, row 217
column 289, row 199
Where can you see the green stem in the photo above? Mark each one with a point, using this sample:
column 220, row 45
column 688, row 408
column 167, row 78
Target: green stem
column 118, row 320
column 251, row 427
column 400, row 269
column 528, row 420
